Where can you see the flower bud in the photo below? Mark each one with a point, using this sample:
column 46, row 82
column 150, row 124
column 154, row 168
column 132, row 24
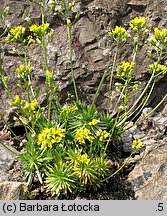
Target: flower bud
column 69, row 24
column 120, row 108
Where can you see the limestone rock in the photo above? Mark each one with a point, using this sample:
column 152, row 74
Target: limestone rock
column 6, row 162
column 13, row 190
column 137, row 2
column 149, row 177
column 129, row 135
column 92, row 49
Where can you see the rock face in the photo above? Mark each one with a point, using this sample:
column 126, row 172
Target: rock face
column 93, row 54
column 13, row 191
column 6, row 162
column 92, row 49
column 149, row 177
column 10, row 190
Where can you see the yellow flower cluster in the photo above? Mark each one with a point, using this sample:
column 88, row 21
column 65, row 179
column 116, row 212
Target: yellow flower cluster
column 125, row 70
column 119, row 33
column 16, row 102
column 103, row 135
column 159, row 69
column 137, row 144
column 83, row 159
column 39, row 30
column 68, row 108
column 93, row 122
column 161, row 35
column 23, row 71
column 83, row 134
column 16, row 34
column 30, row 106
column 159, row 40
column 138, row 23
column 50, row 136
column 84, row 168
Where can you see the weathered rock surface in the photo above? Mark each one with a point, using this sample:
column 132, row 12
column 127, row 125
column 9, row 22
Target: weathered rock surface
column 6, row 162
column 92, row 49
column 13, row 191
column 149, row 176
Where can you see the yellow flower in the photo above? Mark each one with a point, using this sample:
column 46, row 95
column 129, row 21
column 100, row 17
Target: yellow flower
column 68, row 108
column 125, row 69
column 16, row 102
column 16, row 34
column 158, row 68
column 83, row 134
column 137, row 144
column 83, row 159
column 93, row 122
column 119, row 33
column 74, row 108
column 120, row 108
column 23, row 70
column 85, row 169
column 138, row 23
column 50, row 136
column 39, row 30
column 31, row 106
column 160, row 34
column 103, row 135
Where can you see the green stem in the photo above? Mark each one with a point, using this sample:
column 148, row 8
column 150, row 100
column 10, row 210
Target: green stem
column 126, row 97
column 71, row 62
column 111, row 79
column 6, row 87
column 42, row 11
column 31, row 88
column 5, row 32
column 130, row 111
column 9, row 128
column 135, row 50
column 117, row 102
column 163, row 99
column 139, row 110
column 145, row 117
column 46, row 65
column 98, row 89
column 10, row 149
column 119, row 168
column 112, row 130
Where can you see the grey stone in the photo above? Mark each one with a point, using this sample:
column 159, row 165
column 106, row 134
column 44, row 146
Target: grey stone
column 137, row 2
column 92, row 49
column 6, row 162
column 13, row 191
column 129, row 135
column 149, row 177
column 164, row 111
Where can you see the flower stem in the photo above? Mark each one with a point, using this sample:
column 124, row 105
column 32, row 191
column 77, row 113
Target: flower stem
column 111, row 79
column 10, row 149
column 98, row 89
column 119, row 168
column 71, row 62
